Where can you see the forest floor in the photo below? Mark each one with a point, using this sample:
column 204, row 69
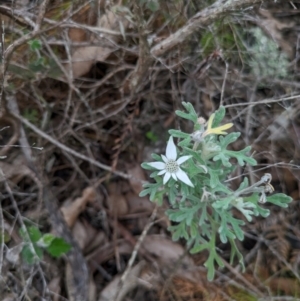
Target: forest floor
column 88, row 96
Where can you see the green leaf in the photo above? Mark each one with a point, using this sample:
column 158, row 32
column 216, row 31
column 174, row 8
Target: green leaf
column 215, row 184
column 195, row 154
column 58, row 247
column 254, row 198
column 223, row 203
column 243, row 185
column 210, row 264
column 225, row 230
column 262, row 211
column 225, row 233
column 229, row 223
column 156, row 157
column 228, row 139
column 153, row 5
column 158, row 198
column 172, row 195
column 151, row 136
column 191, row 115
column 179, row 231
column 214, row 177
column 179, row 134
column 194, row 230
column 185, row 189
column 194, row 200
column 242, row 156
column 203, row 216
column 145, row 192
column 236, row 223
column 33, row 232
column 153, row 194
column 185, row 142
column 199, row 247
column 219, row 116
column 279, row 199
column 35, row 44
column 182, row 214
column 147, row 167
column 184, row 115
column 225, row 155
column 29, row 256
column 236, row 253
column 45, row 240
column 152, row 190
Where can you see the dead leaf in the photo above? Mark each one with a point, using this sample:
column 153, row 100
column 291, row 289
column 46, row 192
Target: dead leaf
column 137, row 176
column 106, row 252
column 138, row 204
column 82, row 235
column 117, row 204
column 99, row 240
column 18, row 170
column 87, row 236
column 84, row 57
column 166, row 251
column 13, row 254
column 109, row 292
column 288, row 286
column 71, row 212
column 54, row 288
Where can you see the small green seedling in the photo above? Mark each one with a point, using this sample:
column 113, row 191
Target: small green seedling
column 35, row 243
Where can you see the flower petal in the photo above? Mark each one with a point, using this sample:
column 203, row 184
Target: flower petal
column 164, row 158
column 174, row 176
column 167, row 177
column 182, row 176
column 162, row 172
column 226, row 126
column 171, row 152
column 157, row 165
column 221, row 129
column 182, row 159
column 210, row 121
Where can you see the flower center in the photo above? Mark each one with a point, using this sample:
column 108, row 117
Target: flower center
column 172, row 166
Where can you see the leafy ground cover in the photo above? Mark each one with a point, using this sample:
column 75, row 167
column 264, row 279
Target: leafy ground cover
column 89, row 91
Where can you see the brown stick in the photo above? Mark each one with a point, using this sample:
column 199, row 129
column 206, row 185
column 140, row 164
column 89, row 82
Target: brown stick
column 203, row 18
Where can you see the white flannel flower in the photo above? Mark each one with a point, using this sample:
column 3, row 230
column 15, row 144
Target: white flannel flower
column 171, row 166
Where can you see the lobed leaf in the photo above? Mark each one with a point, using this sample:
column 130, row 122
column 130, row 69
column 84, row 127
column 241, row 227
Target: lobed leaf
column 279, row 199
column 219, row 116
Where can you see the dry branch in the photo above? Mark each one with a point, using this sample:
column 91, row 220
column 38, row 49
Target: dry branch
column 204, row 18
